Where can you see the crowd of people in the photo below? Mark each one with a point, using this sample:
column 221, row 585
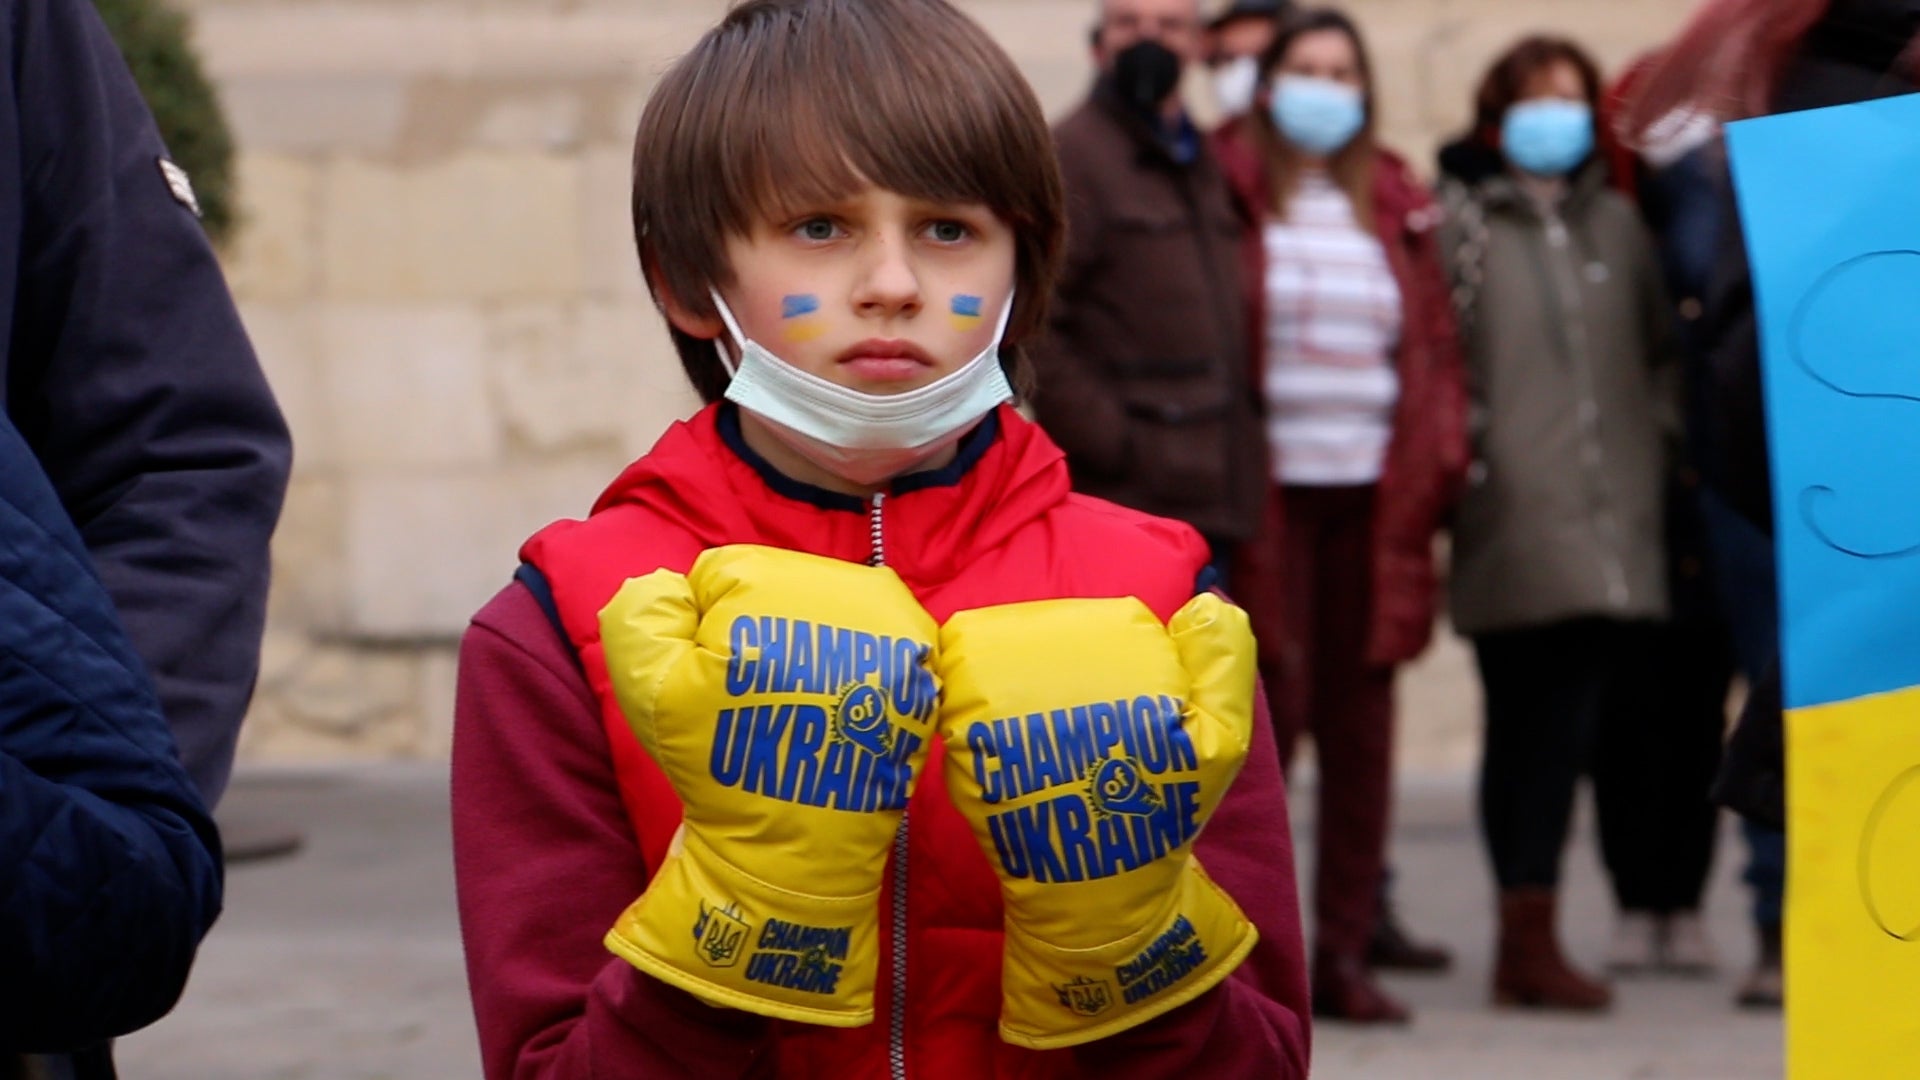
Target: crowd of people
column 1549, row 359
column 924, row 705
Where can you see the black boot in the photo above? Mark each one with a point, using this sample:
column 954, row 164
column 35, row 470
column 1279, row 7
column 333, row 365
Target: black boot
column 1392, row 949
column 1343, row 989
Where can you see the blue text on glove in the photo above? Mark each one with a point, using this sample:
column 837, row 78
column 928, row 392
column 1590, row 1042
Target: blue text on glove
column 1173, row 956
column 1111, row 814
column 852, row 754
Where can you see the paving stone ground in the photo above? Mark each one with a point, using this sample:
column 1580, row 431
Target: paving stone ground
column 343, row 962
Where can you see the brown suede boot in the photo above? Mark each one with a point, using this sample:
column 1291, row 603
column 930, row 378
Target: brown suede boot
column 1531, row 972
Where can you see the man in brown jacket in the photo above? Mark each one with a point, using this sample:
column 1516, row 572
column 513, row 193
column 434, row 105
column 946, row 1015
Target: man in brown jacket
column 1142, row 377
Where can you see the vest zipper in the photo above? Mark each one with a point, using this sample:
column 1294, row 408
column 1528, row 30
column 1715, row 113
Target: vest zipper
column 897, row 1016
column 897, row 1021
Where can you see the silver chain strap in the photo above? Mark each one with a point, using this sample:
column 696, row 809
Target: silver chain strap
column 1468, row 259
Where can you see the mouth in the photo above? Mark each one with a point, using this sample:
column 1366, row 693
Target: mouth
column 877, row 349
column 886, row 364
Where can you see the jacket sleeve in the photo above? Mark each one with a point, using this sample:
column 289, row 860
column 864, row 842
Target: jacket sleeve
column 135, row 384
column 1730, row 341
column 111, row 863
column 1661, row 328
column 1076, row 400
column 1256, row 1023
column 544, row 861
column 1448, row 391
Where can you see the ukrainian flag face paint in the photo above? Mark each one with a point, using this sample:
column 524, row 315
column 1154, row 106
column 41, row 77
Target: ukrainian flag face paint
column 967, row 312
column 800, row 319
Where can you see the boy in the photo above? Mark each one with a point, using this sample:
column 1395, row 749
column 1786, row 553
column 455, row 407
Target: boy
column 902, row 748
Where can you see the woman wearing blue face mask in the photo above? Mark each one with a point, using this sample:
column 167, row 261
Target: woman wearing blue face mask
column 1559, row 573
column 1355, row 362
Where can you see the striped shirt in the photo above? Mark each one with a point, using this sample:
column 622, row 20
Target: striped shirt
column 1333, row 320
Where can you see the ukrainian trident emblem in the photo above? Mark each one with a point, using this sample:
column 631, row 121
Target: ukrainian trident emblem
column 1084, row 996
column 720, row 934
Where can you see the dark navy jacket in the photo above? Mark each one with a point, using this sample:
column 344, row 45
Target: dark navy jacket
column 109, row 862
column 126, row 368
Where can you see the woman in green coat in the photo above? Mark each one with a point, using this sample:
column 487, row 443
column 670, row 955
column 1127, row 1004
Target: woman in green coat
column 1559, row 566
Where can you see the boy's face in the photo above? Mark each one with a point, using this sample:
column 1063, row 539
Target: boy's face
column 877, row 293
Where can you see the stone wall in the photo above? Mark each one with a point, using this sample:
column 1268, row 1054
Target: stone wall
column 437, row 270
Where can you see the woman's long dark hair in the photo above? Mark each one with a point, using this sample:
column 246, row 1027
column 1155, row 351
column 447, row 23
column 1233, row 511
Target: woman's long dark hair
column 1352, row 166
column 1727, row 61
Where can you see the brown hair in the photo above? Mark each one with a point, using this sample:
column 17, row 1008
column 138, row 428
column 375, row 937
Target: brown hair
column 790, row 104
column 1352, row 165
column 1505, row 83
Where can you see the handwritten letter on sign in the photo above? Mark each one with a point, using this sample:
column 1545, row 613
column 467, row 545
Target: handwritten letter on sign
column 1830, row 202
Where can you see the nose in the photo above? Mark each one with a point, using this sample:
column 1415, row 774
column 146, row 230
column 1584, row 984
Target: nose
column 890, row 282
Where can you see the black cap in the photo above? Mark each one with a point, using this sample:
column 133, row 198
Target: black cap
column 1241, row 9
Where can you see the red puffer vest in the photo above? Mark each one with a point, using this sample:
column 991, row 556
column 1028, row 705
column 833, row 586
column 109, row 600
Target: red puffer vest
column 999, row 526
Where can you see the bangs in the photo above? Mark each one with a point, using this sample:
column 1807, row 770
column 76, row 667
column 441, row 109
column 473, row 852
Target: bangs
column 860, row 93
column 858, row 132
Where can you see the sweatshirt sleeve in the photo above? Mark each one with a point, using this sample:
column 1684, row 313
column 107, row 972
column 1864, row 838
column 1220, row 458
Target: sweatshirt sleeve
column 1256, row 1022
column 544, row 861
column 133, row 380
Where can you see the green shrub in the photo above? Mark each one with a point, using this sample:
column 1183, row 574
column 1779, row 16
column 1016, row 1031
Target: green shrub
column 155, row 40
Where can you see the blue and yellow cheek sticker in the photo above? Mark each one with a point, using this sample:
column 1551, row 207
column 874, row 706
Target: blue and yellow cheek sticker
column 966, row 312
column 800, row 317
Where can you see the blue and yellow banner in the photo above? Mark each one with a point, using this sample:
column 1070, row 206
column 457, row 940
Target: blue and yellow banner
column 1830, row 202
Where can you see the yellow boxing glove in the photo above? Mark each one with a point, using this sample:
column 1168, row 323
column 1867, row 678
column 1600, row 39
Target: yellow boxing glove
column 1087, row 744
column 789, row 700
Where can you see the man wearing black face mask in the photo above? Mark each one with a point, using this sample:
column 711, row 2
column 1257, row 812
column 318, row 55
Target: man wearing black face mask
column 1143, row 377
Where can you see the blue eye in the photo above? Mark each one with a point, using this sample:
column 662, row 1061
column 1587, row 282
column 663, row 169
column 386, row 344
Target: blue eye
column 948, row 232
column 818, row 229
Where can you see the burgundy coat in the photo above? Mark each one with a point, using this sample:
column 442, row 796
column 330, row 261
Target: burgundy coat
column 1427, row 458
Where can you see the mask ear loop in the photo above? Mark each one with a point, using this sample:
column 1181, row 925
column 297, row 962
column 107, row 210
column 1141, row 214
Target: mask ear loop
column 733, row 328
column 1006, row 317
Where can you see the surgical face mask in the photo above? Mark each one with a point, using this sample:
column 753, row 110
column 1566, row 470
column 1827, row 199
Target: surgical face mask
column 1234, row 83
column 861, row 437
column 1548, row 136
column 1319, row 116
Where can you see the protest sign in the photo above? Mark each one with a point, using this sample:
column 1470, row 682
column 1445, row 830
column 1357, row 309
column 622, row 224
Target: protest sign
column 1830, row 203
